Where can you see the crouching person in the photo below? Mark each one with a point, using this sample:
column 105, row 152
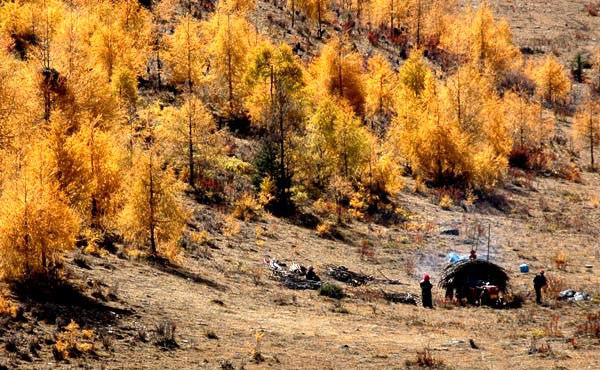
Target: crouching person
column 311, row 274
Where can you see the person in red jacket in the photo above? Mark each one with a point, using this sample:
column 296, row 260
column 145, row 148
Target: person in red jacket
column 426, row 291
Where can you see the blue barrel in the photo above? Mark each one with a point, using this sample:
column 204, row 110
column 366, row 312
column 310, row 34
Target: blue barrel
column 524, row 267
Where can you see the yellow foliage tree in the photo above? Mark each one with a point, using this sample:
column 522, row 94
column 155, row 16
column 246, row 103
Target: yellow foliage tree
column 338, row 72
column 36, row 224
column 337, row 145
column 553, row 84
column 414, row 74
column 481, row 41
column 317, row 11
column 185, row 53
column 596, row 66
column 121, row 36
column 103, row 161
column 191, row 139
column 381, row 82
column 454, row 133
column 153, row 216
column 229, row 38
column 586, row 127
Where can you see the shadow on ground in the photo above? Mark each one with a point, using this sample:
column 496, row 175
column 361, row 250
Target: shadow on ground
column 57, row 301
column 172, row 269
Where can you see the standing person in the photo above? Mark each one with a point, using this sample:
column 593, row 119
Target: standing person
column 539, row 281
column 473, row 255
column 426, row 291
column 449, row 290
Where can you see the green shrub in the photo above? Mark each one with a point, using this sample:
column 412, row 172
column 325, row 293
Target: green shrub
column 331, row 290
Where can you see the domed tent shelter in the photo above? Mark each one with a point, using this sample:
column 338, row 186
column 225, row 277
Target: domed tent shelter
column 469, row 278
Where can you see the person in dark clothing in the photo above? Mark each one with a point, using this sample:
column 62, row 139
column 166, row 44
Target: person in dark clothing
column 426, row 291
column 473, row 255
column 539, row 281
column 311, row 275
column 449, row 291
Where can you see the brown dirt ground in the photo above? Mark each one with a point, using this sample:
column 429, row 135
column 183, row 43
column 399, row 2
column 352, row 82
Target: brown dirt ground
column 222, row 287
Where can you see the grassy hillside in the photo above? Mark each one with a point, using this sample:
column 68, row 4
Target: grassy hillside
column 218, row 306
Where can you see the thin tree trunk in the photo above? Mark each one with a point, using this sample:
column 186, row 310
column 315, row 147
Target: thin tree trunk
column 152, row 210
column 229, row 66
column 592, row 138
column 293, row 12
column 418, row 24
column 192, row 175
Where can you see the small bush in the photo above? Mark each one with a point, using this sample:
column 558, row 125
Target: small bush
column 210, row 334
column 142, row 333
column 338, row 307
column 366, row 250
column 34, row 346
column 256, row 352
column 446, row 202
column 373, row 38
column 425, row 359
column 8, row 309
column 325, row 229
column 554, row 286
column 73, row 342
column 519, row 158
column 419, row 186
column 12, row 343
column 331, row 290
column 515, row 80
column 165, row 334
column 560, row 260
column 590, row 327
column 107, row 340
column 246, row 208
column 592, row 9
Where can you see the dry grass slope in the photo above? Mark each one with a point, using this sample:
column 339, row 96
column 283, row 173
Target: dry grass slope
column 219, row 308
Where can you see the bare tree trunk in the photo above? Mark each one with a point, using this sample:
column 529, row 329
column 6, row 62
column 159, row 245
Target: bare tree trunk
column 152, row 210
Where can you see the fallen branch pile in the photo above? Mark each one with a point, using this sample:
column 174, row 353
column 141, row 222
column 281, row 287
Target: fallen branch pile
column 293, row 277
column 292, row 282
column 341, row 273
column 405, row 298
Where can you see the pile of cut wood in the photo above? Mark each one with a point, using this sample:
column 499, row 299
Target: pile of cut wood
column 341, row 273
column 293, row 277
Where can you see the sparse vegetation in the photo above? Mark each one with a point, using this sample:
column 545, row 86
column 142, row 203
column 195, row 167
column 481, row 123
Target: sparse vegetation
column 153, row 154
column 331, row 290
column 164, row 334
column 257, row 355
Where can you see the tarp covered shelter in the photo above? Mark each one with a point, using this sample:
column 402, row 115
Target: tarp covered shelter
column 468, row 273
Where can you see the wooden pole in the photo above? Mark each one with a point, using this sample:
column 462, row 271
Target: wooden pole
column 489, row 233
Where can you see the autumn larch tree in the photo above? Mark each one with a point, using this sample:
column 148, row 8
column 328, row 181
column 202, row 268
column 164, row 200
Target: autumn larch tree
column 338, row 72
column 192, row 140
column 36, row 224
column 586, row 128
column 381, row 81
column 153, row 215
column 553, row 84
column 185, row 55
column 229, row 37
column 318, row 11
column 275, row 80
